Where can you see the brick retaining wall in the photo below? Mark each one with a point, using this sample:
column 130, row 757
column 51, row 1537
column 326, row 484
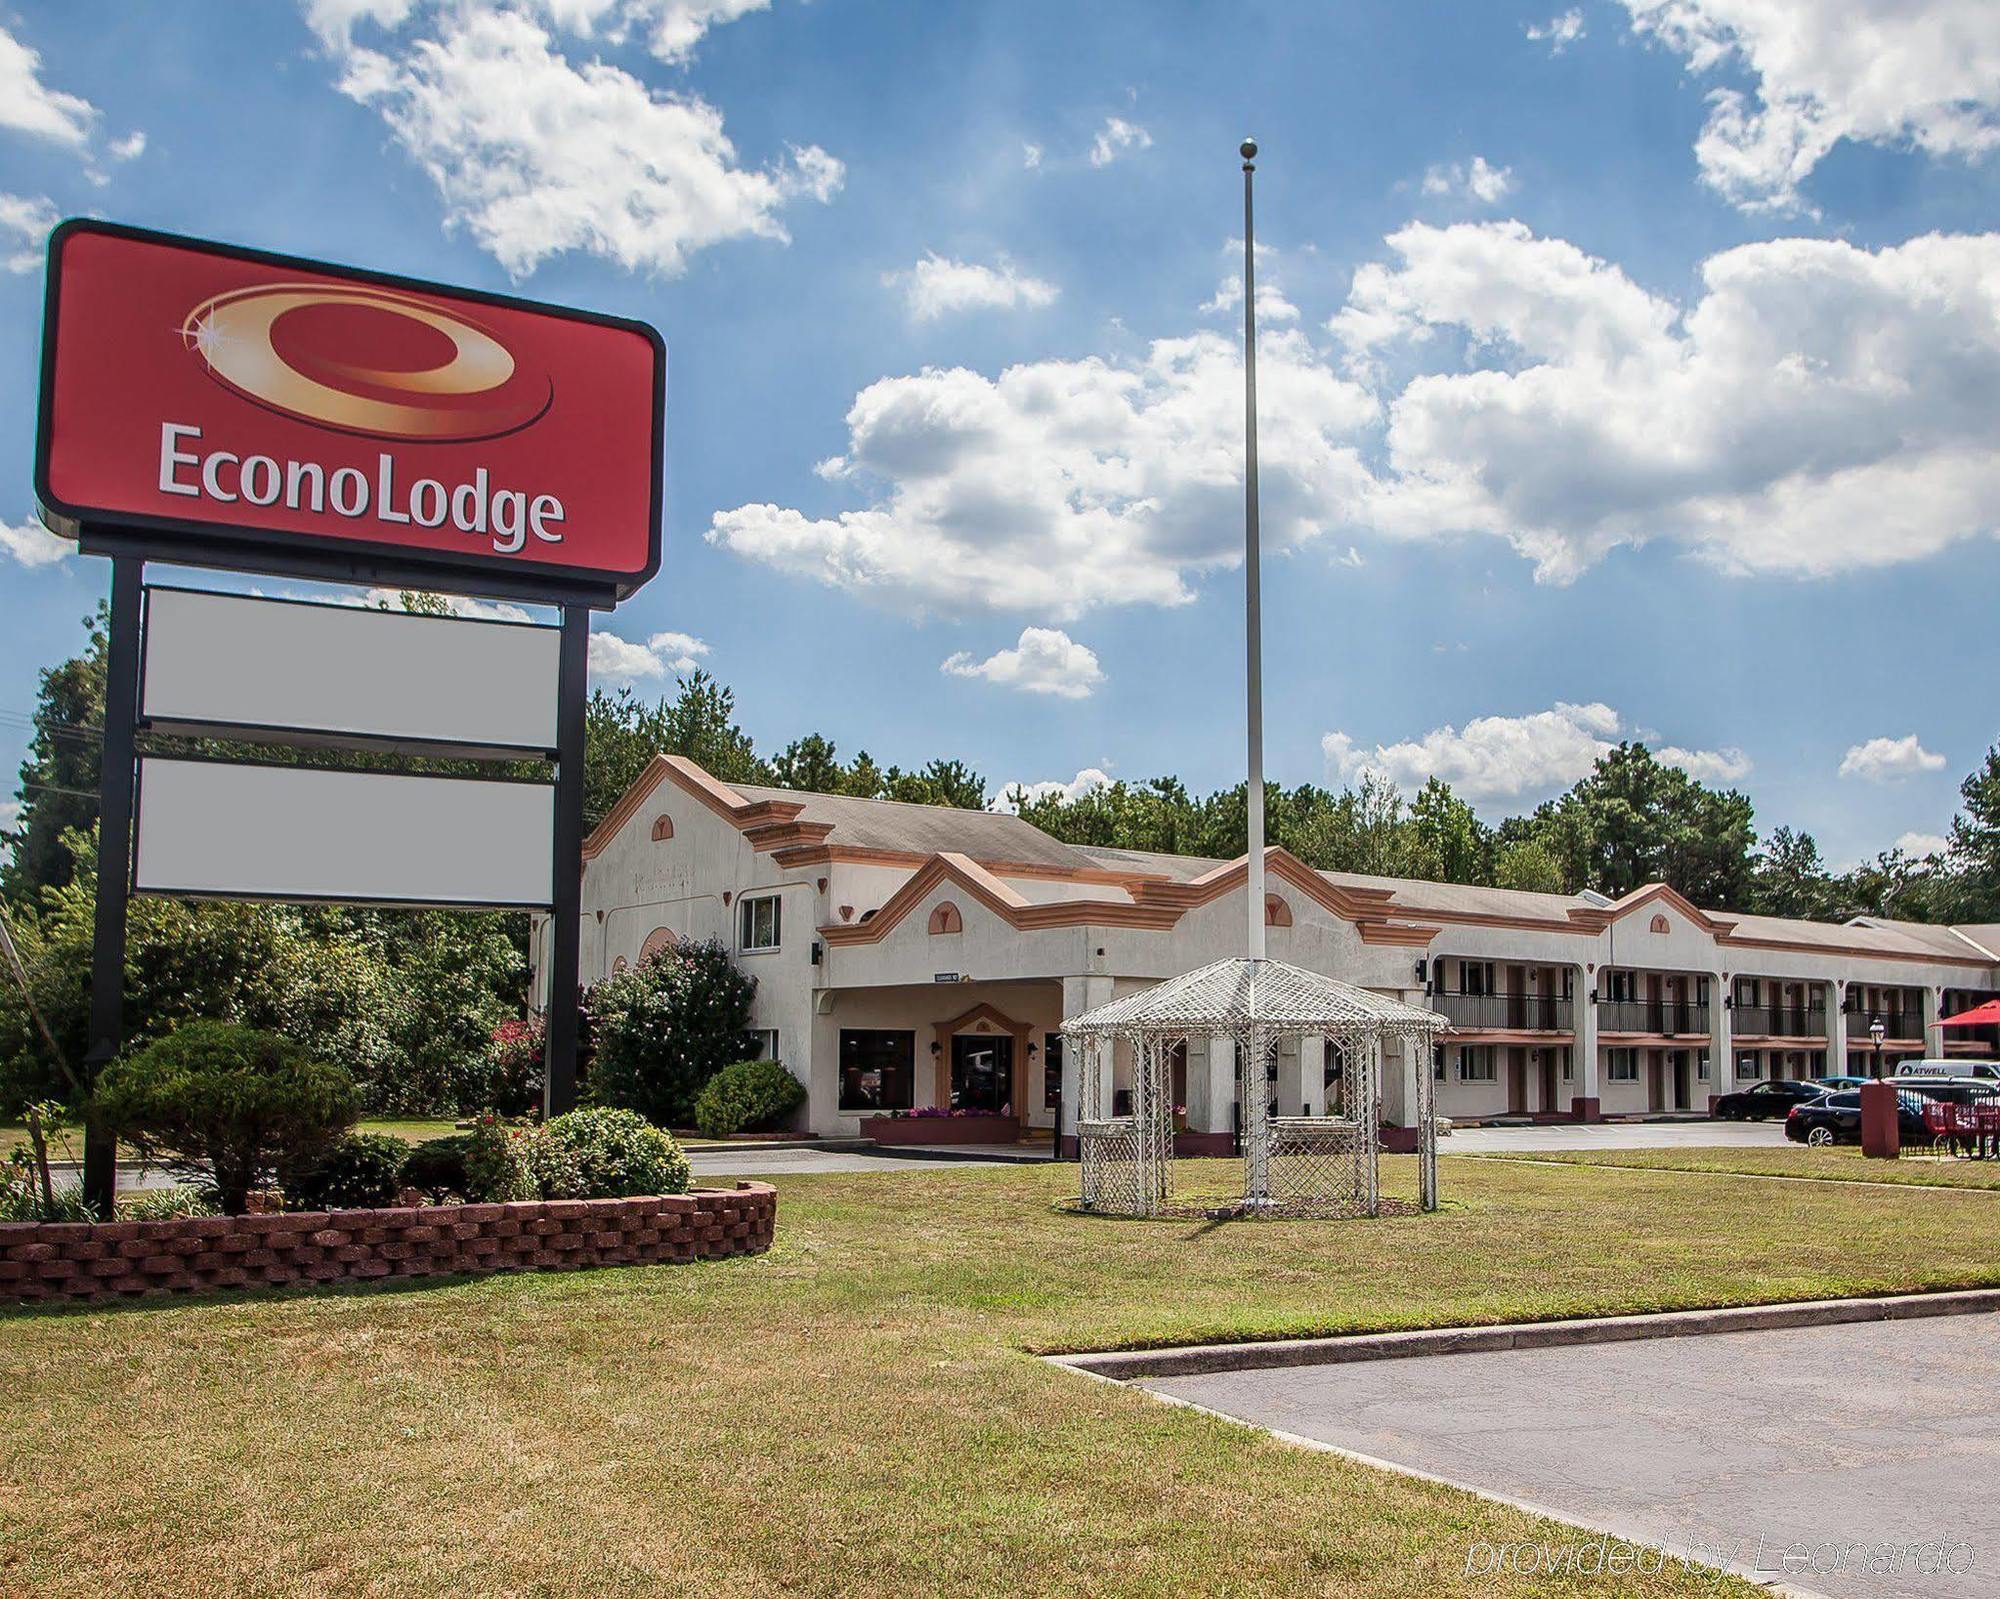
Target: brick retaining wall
column 44, row 1261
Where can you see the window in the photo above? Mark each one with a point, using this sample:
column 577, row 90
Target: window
column 1475, row 977
column 1621, row 986
column 1746, row 1068
column 1437, row 1063
column 1701, row 1066
column 765, row 1041
column 1621, row 1066
column 759, row 922
column 1051, row 1071
column 1475, row 1064
column 877, row 1068
column 1569, row 1065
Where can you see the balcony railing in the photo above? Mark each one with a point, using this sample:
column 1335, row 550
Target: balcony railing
column 1895, row 1024
column 1528, row 1012
column 1778, row 1021
column 1670, row 1018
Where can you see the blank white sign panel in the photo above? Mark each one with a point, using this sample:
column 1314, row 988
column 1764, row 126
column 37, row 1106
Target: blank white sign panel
column 300, row 832
column 292, row 666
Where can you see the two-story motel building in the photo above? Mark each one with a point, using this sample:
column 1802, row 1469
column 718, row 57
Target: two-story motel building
column 912, row 955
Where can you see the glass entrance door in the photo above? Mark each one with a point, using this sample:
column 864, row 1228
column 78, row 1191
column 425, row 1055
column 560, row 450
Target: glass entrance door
column 982, row 1073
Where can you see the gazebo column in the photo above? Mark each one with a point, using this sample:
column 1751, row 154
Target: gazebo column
column 1256, row 1117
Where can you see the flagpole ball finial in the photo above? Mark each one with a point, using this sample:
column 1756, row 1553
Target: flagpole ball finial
column 1249, row 149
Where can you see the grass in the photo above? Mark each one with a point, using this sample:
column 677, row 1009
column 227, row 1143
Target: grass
column 854, row 1414
column 1840, row 1163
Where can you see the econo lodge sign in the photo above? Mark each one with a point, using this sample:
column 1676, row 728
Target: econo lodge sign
column 234, row 400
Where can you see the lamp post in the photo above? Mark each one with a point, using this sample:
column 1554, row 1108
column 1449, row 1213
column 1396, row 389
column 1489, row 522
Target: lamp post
column 1878, row 1032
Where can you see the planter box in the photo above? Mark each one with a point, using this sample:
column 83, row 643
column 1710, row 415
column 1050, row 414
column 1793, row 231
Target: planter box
column 907, row 1130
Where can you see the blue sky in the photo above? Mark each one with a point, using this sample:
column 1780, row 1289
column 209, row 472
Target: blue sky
column 1629, row 370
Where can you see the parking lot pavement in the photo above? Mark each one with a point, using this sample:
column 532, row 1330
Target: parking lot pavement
column 1858, row 1461
column 1613, row 1135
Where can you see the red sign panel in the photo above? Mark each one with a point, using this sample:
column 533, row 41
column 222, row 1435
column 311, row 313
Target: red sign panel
column 237, row 402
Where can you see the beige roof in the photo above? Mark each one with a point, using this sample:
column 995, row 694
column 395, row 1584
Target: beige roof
column 987, row 836
column 1898, row 939
column 1177, row 868
column 1466, row 900
column 1947, row 941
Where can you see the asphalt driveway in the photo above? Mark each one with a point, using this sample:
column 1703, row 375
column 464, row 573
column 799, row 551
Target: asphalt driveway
column 1856, row 1461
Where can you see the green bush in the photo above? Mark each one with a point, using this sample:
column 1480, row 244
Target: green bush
column 616, row 1153
column 168, row 1204
column 212, row 1099
column 496, row 1165
column 662, row 1029
column 21, row 1197
column 357, row 1171
column 436, row 1167
column 750, row 1096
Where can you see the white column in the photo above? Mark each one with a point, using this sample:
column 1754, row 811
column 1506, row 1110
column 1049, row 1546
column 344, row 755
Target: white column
column 1221, row 1085
column 1312, row 1075
column 1836, row 1031
column 1933, row 1000
column 1586, row 1042
column 1721, row 1039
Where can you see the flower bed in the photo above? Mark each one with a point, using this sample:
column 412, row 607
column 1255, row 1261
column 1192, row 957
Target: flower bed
column 42, row 1261
column 953, row 1127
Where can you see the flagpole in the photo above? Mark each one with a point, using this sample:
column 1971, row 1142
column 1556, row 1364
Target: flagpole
column 1253, row 610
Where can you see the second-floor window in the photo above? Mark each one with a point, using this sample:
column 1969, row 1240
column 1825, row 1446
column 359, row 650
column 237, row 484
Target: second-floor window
column 760, row 921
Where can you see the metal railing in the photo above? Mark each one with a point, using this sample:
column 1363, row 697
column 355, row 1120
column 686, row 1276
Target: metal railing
column 1778, row 1021
column 1530, row 1012
column 1667, row 1017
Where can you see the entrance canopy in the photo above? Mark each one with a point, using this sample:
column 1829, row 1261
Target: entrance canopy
column 1320, row 1165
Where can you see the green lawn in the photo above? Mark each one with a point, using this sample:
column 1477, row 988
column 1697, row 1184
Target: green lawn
column 854, row 1414
column 1841, row 1163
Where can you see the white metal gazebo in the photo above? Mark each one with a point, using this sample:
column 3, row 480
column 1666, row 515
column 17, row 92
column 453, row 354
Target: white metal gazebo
column 1296, row 1165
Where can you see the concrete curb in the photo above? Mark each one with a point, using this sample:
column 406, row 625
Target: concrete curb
column 1122, row 1365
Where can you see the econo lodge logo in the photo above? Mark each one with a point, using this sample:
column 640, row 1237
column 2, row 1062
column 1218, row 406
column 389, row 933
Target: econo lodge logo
column 364, row 360
column 371, row 362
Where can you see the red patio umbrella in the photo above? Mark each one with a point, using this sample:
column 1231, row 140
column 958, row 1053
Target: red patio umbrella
column 1986, row 1015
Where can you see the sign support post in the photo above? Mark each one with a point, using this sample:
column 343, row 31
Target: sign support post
column 114, row 868
column 559, row 1047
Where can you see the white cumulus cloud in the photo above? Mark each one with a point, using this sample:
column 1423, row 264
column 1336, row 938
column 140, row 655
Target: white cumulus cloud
column 1882, row 760
column 620, row 660
column 937, row 285
column 32, row 545
column 1065, row 485
column 1919, row 845
column 1013, row 795
column 1476, row 179
column 1819, row 408
column 1514, row 757
column 30, row 106
column 24, row 228
column 534, row 155
column 1916, row 73
column 1046, row 660
column 1559, row 32
column 1115, row 138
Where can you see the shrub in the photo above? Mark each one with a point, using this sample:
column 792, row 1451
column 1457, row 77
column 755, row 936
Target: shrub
column 358, row 1171
column 617, row 1152
column 752, row 1094
column 212, row 1099
column 168, row 1204
column 662, row 1029
column 22, row 1198
column 436, row 1167
column 496, row 1164
column 515, row 1058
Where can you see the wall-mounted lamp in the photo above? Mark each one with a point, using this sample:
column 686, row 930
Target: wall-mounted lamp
column 1031, row 1050
column 936, row 1047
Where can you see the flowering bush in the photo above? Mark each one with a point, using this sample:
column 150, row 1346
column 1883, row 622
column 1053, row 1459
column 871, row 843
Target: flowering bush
column 515, row 1055
column 496, row 1162
column 925, row 1112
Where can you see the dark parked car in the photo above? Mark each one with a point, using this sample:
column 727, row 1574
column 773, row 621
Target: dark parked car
column 1836, row 1119
column 1761, row 1103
